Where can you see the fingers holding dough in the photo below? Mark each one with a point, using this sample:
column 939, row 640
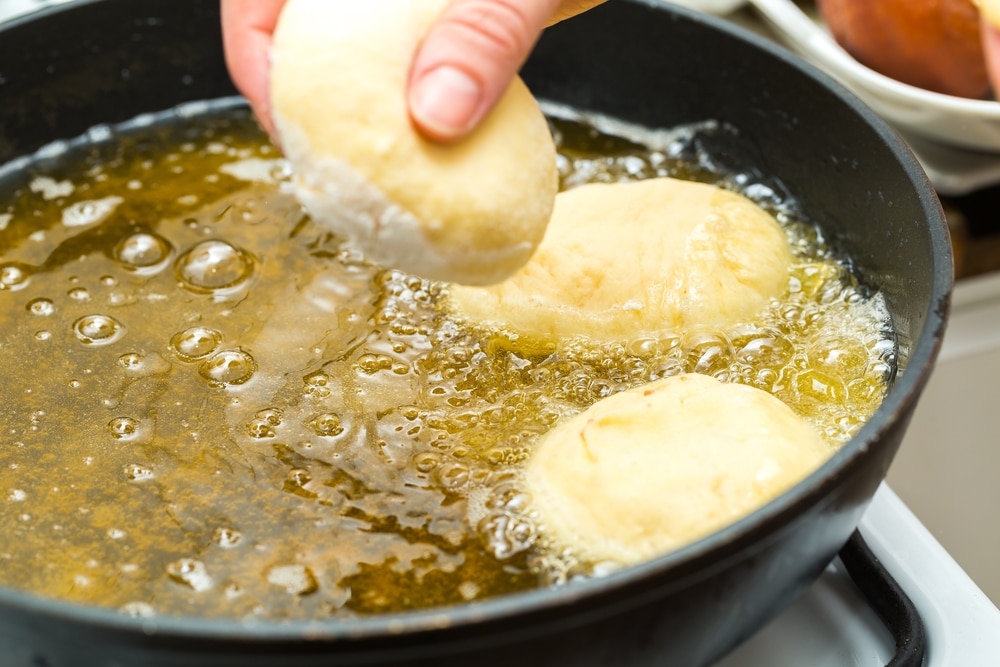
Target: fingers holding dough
column 650, row 469
column 471, row 212
column 627, row 259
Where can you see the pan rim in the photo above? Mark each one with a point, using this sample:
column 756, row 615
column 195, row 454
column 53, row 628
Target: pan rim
column 672, row 569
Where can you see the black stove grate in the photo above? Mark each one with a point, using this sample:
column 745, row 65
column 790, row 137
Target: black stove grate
column 887, row 599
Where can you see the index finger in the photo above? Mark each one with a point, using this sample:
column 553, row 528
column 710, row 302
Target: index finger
column 247, row 29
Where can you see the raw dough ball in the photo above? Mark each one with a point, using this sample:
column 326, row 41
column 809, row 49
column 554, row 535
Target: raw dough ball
column 628, row 259
column 648, row 470
column 470, row 212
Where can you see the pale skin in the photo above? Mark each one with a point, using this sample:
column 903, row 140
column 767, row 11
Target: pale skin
column 462, row 67
column 989, row 12
column 458, row 74
column 991, row 49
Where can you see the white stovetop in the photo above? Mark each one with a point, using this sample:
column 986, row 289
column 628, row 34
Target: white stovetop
column 832, row 626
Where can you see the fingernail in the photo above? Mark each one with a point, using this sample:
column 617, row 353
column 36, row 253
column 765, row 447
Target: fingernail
column 445, row 100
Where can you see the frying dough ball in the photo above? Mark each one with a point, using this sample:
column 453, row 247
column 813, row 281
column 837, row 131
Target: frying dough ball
column 648, row 470
column 625, row 259
column 470, row 212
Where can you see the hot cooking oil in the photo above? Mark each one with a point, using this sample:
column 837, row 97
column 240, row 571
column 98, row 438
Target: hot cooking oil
column 212, row 407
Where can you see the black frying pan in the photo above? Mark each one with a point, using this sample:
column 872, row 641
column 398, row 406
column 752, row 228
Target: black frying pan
column 102, row 61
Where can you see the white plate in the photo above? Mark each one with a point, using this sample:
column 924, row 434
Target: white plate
column 957, row 140
column 712, row 6
column 956, row 121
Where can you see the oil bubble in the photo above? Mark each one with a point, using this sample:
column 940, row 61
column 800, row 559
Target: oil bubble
column 507, row 535
column 842, row 358
column 14, row 276
column 260, row 429
column 317, row 384
column 270, row 415
column 195, row 343
column 469, row 590
column 229, row 367
column 80, row 294
column 42, row 307
column 214, row 265
column 143, row 252
column 644, row 347
column 369, row 364
column 426, row 462
column 98, row 330
column 765, row 349
column 138, row 473
column 85, row 213
column 190, row 572
column 819, row 388
column 123, row 428
column 707, row 352
column 130, row 361
column 766, row 379
column 264, row 423
column 298, row 477
column 327, row 425
column 295, row 579
column 227, row 538
column 453, row 476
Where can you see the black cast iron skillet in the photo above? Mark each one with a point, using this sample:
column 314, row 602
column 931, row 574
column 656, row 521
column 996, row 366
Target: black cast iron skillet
column 104, row 61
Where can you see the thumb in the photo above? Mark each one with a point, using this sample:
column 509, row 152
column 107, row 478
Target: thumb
column 467, row 60
column 247, row 28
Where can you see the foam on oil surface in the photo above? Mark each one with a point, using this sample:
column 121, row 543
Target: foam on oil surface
column 215, row 409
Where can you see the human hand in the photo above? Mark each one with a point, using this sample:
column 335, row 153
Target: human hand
column 247, row 29
column 470, row 56
column 458, row 74
column 991, row 51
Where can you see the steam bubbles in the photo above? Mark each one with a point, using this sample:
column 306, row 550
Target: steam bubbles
column 143, row 252
column 98, row 330
column 212, row 266
column 195, row 343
